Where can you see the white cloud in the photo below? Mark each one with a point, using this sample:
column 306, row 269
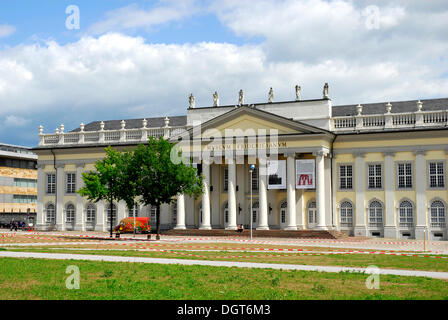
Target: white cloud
column 15, row 121
column 133, row 17
column 6, row 30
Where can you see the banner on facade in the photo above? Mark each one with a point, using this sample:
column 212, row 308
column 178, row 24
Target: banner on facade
column 305, row 174
column 276, row 170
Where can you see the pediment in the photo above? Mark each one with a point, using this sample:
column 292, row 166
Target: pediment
column 247, row 120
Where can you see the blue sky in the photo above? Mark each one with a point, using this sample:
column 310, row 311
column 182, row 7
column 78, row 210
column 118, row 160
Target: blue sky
column 133, row 59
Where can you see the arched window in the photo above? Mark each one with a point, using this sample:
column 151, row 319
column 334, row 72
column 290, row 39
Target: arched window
column 283, row 208
column 438, row 214
column 406, row 214
column 90, row 213
column 114, row 213
column 312, row 214
column 375, row 214
column 346, row 212
column 70, row 213
column 51, row 213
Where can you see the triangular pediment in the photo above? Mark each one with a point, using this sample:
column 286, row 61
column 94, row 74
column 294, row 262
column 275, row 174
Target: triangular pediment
column 248, row 120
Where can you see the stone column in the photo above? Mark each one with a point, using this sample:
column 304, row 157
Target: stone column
column 420, row 188
column 360, row 184
column 121, row 211
column 80, row 212
column 205, row 224
column 180, row 212
column 60, row 212
column 232, row 195
column 263, row 195
column 101, row 216
column 291, row 192
column 390, row 225
column 320, row 190
column 41, row 187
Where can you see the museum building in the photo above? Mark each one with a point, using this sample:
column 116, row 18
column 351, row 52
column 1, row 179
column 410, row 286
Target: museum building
column 376, row 169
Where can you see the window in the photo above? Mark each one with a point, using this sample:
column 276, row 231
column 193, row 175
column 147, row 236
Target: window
column 438, row 214
column 226, row 213
column 51, row 183
column 226, row 179
column 90, row 213
column 312, row 213
column 405, row 175
column 346, row 211
column 21, row 198
column 375, row 214
column 70, row 179
column 25, row 183
column 70, row 213
column 436, row 175
column 114, row 213
column 283, row 207
column 174, row 214
column 255, row 180
column 375, row 176
column 346, row 177
column 51, row 214
column 406, row 213
column 255, row 207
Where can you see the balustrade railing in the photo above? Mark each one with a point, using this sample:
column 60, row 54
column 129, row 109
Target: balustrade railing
column 108, row 136
column 390, row 121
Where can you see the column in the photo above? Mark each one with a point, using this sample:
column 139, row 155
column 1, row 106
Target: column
column 101, row 215
column 205, row 224
column 180, row 212
column 320, row 190
column 80, row 212
column 390, row 225
column 60, row 214
column 360, row 184
column 420, row 188
column 232, row 195
column 291, row 192
column 263, row 195
column 121, row 211
column 41, row 187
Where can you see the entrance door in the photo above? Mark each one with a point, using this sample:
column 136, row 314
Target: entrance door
column 255, row 215
column 312, row 215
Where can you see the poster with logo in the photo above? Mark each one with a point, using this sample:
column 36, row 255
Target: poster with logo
column 276, row 170
column 305, row 174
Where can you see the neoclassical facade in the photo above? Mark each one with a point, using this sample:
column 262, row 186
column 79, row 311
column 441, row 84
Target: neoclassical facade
column 375, row 170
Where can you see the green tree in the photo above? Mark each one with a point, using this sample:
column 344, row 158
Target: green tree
column 159, row 176
column 110, row 181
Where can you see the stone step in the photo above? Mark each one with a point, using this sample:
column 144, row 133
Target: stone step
column 303, row 234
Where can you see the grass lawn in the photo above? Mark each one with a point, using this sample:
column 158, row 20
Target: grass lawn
column 345, row 260
column 45, row 279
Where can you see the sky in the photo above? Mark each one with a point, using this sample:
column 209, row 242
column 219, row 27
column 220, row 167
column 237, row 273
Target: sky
column 67, row 62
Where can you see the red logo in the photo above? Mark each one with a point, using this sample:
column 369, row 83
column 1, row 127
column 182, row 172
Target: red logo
column 305, row 179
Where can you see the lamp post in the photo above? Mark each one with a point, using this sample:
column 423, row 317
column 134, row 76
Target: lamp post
column 251, row 169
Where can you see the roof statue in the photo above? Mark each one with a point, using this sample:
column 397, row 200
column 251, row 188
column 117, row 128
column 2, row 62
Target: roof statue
column 191, row 100
column 326, row 91
column 241, row 98
column 215, row 99
column 271, row 96
column 298, row 89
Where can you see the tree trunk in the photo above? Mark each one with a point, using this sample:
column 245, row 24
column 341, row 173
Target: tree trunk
column 158, row 222
column 111, row 220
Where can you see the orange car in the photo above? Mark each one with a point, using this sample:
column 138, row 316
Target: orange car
column 127, row 225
